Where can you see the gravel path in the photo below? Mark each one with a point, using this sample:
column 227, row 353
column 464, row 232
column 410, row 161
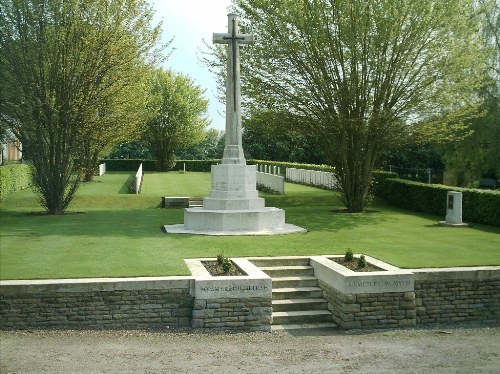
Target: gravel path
column 463, row 350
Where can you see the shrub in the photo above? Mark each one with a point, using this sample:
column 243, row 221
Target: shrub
column 14, row 178
column 349, row 256
column 224, row 262
column 150, row 165
column 362, row 262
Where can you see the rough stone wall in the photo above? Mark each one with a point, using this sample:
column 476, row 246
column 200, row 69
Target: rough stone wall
column 457, row 300
column 252, row 314
column 381, row 310
column 38, row 307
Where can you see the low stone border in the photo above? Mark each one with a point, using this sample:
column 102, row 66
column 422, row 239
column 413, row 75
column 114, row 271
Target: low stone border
column 387, row 299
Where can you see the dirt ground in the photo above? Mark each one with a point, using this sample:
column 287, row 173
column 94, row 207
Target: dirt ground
column 452, row 350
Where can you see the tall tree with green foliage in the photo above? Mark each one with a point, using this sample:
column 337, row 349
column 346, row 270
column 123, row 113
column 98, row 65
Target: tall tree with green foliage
column 72, row 70
column 478, row 155
column 179, row 119
column 362, row 76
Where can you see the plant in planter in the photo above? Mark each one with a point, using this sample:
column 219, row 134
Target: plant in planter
column 349, row 256
column 362, row 262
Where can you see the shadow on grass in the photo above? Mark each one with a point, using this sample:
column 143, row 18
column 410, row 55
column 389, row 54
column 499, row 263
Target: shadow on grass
column 129, row 186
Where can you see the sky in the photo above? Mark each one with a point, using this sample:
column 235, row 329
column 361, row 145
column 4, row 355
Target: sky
column 190, row 22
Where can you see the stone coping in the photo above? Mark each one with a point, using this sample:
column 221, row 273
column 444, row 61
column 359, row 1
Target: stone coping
column 465, row 273
column 95, row 284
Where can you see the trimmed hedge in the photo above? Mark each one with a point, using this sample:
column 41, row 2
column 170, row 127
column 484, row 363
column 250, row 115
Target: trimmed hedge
column 284, row 165
column 14, row 178
column 150, row 165
column 480, row 206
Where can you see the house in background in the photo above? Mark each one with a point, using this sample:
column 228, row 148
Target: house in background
column 10, row 149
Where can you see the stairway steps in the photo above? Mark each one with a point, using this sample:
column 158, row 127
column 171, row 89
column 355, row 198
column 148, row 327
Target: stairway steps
column 298, row 302
column 300, row 281
column 302, row 316
column 284, row 271
column 288, row 305
column 297, row 293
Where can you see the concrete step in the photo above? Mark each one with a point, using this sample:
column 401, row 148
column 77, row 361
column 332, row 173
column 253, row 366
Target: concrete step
column 297, row 293
column 302, row 316
column 294, row 281
column 288, row 305
column 196, row 202
column 305, row 326
column 280, row 261
column 286, row 271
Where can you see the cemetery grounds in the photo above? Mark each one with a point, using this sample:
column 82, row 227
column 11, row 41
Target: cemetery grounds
column 109, row 232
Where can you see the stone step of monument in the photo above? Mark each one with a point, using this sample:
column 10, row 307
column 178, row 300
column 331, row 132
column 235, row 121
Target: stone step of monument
column 280, row 261
column 295, row 281
column 288, row 305
column 196, row 202
column 302, row 316
column 297, row 293
column 284, row 271
column 305, row 326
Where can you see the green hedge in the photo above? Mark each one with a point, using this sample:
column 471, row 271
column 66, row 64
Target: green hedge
column 480, row 206
column 14, row 178
column 284, row 165
column 150, row 165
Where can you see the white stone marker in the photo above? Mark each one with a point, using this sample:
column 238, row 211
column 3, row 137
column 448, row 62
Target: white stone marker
column 453, row 210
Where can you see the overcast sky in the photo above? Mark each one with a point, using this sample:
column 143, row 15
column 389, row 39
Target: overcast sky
column 189, row 22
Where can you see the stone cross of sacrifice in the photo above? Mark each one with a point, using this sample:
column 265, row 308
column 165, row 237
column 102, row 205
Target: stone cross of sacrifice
column 233, row 150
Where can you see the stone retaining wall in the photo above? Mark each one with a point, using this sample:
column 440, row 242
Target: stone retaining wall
column 376, row 310
column 233, row 314
column 98, row 303
column 457, row 295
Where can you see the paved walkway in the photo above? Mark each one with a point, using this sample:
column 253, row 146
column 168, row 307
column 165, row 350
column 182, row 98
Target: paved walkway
column 464, row 350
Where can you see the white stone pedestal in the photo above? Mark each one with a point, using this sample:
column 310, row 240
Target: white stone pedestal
column 234, row 207
column 453, row 210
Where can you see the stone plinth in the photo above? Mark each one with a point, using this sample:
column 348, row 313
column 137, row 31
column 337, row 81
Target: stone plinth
column 453, row 210
column 233, row 207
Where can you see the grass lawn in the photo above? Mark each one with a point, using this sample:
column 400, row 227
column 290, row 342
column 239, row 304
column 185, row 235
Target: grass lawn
column 110, row 233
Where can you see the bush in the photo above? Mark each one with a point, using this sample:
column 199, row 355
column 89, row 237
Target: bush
column 362, row 262
column 349, row 256
column 284, row 165
column 14, row 178
column 480, row 206
column 150, row 165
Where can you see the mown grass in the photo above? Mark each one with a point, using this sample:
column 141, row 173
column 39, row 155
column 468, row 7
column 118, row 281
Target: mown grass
column 110, row 233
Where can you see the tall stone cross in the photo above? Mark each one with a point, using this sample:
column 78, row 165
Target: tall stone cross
column 233, row 150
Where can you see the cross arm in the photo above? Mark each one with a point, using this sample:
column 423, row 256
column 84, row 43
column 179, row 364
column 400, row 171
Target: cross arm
column 226, row 38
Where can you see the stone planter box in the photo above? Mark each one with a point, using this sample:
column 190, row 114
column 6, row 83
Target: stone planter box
column 241, row 303
column 389, row 279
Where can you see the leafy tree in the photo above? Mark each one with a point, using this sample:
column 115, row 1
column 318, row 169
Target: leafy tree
column 180, row 118
column 363, row 76
column 135, row 150
column 266, row 137
column 70, row 68
column 211, row 147
column 478, row 155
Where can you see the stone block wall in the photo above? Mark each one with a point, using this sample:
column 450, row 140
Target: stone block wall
column 454, row 297
column 109, row 304
column 374, row 310
column 249, row 314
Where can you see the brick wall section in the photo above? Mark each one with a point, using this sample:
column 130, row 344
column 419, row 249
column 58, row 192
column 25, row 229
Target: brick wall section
column 380, row 310
column 455, row 299
column 252, row 314
column 87, row 304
